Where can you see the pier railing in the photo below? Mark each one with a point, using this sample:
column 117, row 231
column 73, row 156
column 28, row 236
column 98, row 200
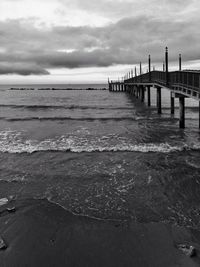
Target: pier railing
column 187, row 79
column 181, row 83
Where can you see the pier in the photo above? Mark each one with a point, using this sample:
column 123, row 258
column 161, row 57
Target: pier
column 182, row 84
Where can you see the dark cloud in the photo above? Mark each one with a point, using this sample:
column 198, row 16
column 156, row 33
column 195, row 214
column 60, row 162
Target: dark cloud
column 26, row 49
column 22, row 69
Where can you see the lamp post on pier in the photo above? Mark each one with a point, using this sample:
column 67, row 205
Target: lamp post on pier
column 180, row 62
column 149, row 68
column 166, row 66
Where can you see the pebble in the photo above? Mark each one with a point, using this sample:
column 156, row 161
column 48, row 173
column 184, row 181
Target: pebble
column 2, row 244
column 189, row 251
column 12, row 209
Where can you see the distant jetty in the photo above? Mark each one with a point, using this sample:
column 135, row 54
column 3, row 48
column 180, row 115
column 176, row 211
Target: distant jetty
column 57, row 89
column 22, row 89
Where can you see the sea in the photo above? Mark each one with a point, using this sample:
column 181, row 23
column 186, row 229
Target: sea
column 100, row 154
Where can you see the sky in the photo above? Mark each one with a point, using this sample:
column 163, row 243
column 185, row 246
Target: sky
column 62, row 41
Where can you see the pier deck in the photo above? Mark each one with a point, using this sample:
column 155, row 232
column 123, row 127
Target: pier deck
column 182, row 84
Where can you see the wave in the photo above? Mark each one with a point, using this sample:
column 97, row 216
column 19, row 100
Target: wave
column 143, row 148
column 33, row 107
column 68, row 118
column 13, row 142
column 71, row 107
column 14, row 179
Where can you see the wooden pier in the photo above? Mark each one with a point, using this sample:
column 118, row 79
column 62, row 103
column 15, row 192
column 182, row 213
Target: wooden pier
column 182, row 84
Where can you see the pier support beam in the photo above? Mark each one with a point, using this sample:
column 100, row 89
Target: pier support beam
column 148, row 96
column 182, row 112
column 137, row 92
column 199, row 114
column 159, row 104
column 172, row 103
column 142, row 93
column 134, row 91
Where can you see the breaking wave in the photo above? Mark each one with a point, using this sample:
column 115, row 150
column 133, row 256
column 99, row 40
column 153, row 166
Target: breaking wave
column 82, row 118
column 34, row 107
column 68, row 119
column 13, row 142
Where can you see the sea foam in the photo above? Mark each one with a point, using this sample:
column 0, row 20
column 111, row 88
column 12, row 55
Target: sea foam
column 14, row 142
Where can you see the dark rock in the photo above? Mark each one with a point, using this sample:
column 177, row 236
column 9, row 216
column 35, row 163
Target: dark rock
column 2, row 244
column 11, row 209
column 189, row 251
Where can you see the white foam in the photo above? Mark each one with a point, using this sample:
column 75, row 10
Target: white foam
column 3, row 201
column 14, row 142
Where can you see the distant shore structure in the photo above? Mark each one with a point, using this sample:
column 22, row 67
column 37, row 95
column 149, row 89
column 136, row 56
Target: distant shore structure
column 182, row 84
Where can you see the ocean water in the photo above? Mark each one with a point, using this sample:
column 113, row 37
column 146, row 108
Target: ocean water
column 100, row 154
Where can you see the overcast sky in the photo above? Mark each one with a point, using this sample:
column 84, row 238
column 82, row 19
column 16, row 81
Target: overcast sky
column 89, row 40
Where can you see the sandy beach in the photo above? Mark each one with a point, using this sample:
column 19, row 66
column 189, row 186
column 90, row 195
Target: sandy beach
column 40, row 233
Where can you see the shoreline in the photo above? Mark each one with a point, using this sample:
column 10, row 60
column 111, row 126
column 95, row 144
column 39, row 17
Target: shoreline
column 41, row 233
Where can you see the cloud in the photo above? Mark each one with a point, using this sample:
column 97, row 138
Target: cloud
column 22, row 69
column 28, row 49
column 95, row 12
column 119, row 9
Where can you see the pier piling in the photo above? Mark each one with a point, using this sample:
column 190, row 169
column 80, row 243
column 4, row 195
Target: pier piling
column 142, row 93
column 138, row 92
column 199, row 114
column 148, row 96
column 182, row 111
column 172, row 103
column 159, row 104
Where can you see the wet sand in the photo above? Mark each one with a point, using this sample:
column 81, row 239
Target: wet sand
column 40, row 233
